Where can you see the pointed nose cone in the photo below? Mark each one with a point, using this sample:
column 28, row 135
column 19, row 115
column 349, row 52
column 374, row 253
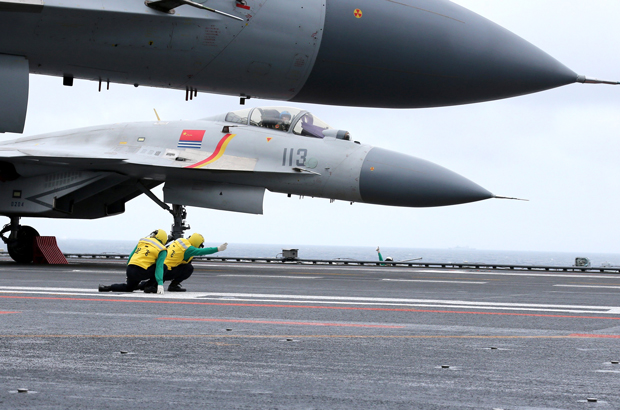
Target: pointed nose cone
column 502, row 64
column 422, row 53
column 392, row 178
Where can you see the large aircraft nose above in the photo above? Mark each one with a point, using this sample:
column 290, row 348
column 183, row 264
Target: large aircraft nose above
column 423, row 53
column 392, row 178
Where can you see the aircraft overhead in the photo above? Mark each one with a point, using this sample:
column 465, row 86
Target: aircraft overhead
column 367, row 53
column 223, row 162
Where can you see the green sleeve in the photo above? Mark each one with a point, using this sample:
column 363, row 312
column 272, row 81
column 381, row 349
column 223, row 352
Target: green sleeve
column 159, row 268
column 131, row 254
column 192, row 251
column 380, row 257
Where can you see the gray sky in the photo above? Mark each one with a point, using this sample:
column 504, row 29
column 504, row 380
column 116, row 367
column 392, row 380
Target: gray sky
column 559, row 149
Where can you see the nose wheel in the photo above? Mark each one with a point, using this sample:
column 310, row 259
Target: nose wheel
column 20, row 242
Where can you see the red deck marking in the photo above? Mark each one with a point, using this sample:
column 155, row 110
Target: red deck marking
column 242, row 6
column 7, row 313
column 596, row 336
column 165, row 302
column 271, row 322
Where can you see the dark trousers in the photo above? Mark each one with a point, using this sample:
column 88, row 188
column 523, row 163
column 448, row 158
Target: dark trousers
column 135, row 274
column 179, row 273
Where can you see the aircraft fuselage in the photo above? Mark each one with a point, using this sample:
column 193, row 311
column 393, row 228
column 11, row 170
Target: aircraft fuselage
column 409, row 54
column 216, row 163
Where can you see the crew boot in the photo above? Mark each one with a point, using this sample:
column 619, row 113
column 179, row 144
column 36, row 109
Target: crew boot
column 147, row 283
column 104, row 288
column 151, row 288
column 175, row 287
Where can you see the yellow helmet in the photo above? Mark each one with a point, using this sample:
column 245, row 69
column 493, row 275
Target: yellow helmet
column 160, row 235
column 196, row 240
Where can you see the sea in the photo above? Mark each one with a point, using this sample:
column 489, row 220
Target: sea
column 368, row 253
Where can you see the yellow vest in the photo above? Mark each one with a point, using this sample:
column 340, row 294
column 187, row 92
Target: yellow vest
column 176, row 253
column 146, row 252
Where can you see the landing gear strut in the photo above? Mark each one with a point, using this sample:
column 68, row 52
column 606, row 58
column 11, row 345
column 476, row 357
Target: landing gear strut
column 178, row 212
column 20, row 242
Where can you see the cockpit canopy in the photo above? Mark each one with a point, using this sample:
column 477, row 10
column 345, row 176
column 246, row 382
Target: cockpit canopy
column 286, row 119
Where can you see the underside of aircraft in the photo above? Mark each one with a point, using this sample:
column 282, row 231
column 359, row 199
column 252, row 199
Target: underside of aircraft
column 366, row 53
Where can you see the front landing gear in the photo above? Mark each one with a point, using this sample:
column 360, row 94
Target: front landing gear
column 20, row 242
column 179, row 214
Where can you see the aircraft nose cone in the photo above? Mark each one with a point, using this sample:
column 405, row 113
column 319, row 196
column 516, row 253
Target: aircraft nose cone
column 392, row 178
column 423, row 53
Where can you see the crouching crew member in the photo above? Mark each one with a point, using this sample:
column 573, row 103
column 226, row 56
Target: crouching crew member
column 178, row 263
column 145, row 262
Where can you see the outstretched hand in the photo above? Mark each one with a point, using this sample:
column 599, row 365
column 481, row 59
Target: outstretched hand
column 222, row 247
column 160, row 289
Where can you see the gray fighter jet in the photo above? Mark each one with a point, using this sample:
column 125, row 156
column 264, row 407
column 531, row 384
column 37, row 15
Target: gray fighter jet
column 223, row 162
column 370, row 53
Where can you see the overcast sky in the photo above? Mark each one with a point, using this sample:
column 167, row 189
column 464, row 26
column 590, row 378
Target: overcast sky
column 559, row 149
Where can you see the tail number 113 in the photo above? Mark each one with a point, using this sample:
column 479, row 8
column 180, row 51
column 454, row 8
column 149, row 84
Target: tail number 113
column 289, row 155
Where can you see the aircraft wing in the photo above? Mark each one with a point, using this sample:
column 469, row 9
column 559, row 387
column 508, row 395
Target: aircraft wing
column 11, row 153
column 87, row 188
column 69, row 181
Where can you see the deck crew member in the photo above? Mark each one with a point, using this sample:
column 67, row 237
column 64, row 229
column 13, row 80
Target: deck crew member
column 178, row 264
column 145, row 262
column 388, row 259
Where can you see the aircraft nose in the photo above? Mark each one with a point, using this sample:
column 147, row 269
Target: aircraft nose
column 422, row 53
column 392, row 178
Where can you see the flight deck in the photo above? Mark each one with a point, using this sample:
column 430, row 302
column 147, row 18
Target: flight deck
column 288, row 335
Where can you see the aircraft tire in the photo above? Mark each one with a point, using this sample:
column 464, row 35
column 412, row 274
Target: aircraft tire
column 21, row 247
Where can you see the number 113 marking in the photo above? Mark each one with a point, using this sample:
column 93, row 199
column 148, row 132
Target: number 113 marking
column 287, row 156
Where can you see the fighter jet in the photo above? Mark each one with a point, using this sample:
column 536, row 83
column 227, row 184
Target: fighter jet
column 223, row 162
column 366, row 53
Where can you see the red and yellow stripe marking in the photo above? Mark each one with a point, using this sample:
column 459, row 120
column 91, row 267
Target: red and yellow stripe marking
column 217, row 154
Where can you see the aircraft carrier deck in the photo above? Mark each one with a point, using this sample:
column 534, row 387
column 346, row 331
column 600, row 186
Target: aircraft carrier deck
column 306, row 336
